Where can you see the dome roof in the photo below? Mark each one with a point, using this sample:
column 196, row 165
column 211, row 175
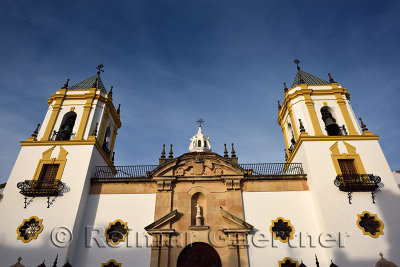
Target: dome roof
column 200, row 142
column 384, row 263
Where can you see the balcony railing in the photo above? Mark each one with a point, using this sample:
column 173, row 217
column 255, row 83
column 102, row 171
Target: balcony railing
column 40, row 188
column 358, row 183
column 62, row 135
column 257, row 169
column 124, row 171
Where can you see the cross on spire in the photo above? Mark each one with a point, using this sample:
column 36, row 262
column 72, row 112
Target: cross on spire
column 99, row 68
column 200, row 121
column 296, row 61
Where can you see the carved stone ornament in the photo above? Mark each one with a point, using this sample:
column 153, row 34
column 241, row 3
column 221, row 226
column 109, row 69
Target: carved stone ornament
column 370, row 224
column 282, row 229
column 116, row 232
column 29, row 229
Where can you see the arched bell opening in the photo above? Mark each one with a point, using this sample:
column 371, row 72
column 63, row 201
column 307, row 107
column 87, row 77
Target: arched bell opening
column 66, row 127
column 199, row 254
column 106, row 141
column 329, row 118
column 198, row 209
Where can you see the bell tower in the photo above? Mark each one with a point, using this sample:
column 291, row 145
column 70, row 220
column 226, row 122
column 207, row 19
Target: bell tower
column 347, row 172
column 50, row 181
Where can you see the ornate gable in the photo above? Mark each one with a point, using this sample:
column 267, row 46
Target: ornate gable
column 198, row 164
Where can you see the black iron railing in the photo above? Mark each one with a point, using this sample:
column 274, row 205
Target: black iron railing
column 36, row 188
column 124, row 171
column 255, row 169
column 357, row 182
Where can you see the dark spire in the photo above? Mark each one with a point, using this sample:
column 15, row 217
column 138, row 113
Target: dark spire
column 110, row 92
column 296, row 61
column 302, row 264
column 363, row 126
column 119, row 109
column 67, row 264
column 163, row 152
column 225, row 152
column 35, row 132
column 42, row 264
column 171, row 154
column 94, row 132
column 233, row 153
column 331, row 79
column 316, row 260
column 112, row 159
column 279, row 105
column 333, row 265
column 302, row 130
column 65, row 85
column 55, row 262
column 285, row 87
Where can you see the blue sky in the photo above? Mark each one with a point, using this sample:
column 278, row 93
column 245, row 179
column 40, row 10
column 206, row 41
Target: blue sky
column 172, row 62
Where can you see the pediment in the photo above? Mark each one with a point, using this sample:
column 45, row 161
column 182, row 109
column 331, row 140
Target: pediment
column 154, row 226
column 198, row 164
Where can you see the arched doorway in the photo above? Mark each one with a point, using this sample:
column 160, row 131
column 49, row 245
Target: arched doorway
column 199, row 254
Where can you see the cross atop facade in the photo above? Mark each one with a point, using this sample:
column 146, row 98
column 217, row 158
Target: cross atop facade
column 200, row 121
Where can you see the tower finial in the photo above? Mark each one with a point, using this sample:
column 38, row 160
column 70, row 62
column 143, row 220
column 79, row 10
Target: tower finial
column 302, row 130
column 301, row 79
column 119, row 109
column 99, row 69
column 200, row 122
column 35, row 132
column 296, row 61
column 316, row 260
column 233, row 154
column 331, row 79
column 110, row 92
column 163, row 152
column 363, row 126
column 225, row 152
column 171, row 154
column 279, row 105
column 65, row 85
column 285, row 87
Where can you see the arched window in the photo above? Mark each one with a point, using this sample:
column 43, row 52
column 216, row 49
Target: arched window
column 205, row 143
column 330, row 121
column 67, row 125
column 106, row 141
column 199, row 143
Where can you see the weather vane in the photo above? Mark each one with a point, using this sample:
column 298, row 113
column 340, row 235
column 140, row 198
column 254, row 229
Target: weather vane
column 99, row 68
column 200, row 121
column 296, row 61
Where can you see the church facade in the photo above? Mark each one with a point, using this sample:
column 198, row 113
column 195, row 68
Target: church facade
column 334, row 202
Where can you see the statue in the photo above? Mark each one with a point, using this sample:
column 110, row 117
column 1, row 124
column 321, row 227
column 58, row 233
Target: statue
column 198, row 216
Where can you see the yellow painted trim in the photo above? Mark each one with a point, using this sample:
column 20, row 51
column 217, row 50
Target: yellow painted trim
column 377, row 234
column 85, row 115
column 36, row 234
column 111, row 261
column 294, row 125
column 278, row 237
column 61, row 161
column 58, row 98
column 285, row 138
column 113, row 142
column 352, row 154
column 345, row 113
column 312, row 114
column 329, row 138
column 124, row 224
column 288, row 258
column 51, row 143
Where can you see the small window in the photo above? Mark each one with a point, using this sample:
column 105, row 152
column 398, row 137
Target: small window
column 205, row 143
column 199, row 143
column 347, row 166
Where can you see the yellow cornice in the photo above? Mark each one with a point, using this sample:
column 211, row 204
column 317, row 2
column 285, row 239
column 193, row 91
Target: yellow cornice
column 329, row 138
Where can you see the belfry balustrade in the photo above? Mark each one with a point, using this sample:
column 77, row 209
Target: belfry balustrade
column 357, row 183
